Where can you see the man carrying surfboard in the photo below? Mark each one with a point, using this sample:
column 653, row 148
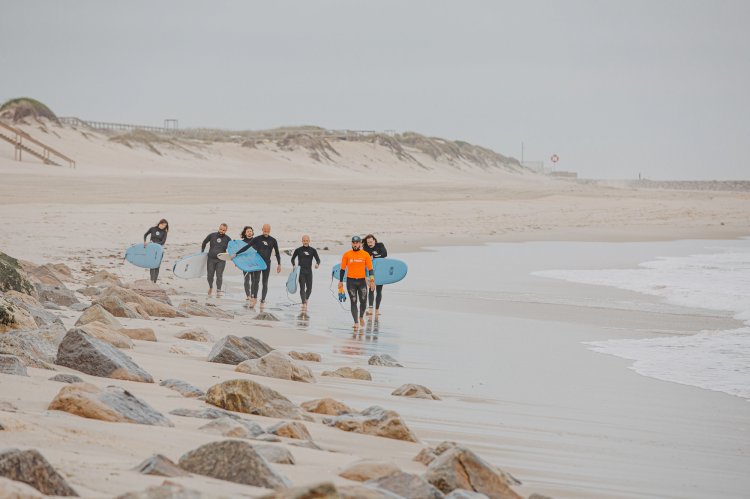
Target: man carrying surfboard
column 264, row 244
column 158, row 235
column 356, row 265
column 306, row 254
column 217, row 243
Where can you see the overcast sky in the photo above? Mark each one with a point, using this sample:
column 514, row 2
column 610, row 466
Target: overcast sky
column 613, row 88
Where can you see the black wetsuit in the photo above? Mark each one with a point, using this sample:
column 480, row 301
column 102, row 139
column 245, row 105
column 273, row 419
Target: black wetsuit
column 158, row 236
column 247, row 275
column 306, row 254
column 377, row 251
column 217, row 243
column 264, row 245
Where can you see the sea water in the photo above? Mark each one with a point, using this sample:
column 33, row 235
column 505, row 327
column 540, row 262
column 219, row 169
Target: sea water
column 717, row 277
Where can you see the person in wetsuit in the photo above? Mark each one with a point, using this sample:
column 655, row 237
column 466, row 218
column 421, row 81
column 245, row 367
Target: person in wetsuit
column 158, row 235
column 357, row 265
column 264, row 244
column 376, row 250
column 305, row 254
column 247, row 237
column 217, row 243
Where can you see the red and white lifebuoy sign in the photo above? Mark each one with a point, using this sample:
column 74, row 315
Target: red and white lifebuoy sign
column 555, row 158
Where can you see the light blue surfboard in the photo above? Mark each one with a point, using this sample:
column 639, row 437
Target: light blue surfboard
column 291, row 281
column 249, row 261
column 148, row 257
column 387, row 270
column 191, row 267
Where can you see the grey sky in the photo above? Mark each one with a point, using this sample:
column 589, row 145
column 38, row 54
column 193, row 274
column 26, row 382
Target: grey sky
column 614, row 88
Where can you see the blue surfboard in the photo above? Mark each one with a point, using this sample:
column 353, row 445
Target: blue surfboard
column 191, row 266
column 249, row 261
column 148, row 257
column 387, row 270
column 291, row 281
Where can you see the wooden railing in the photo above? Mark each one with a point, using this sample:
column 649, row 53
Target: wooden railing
column 19, row 136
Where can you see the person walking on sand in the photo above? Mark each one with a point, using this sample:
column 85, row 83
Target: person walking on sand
column 376, row 250
column 357, row 265
column 217, row 243
column 264, row 244
column 305, row 254
column 247, row 237
column 158, row 235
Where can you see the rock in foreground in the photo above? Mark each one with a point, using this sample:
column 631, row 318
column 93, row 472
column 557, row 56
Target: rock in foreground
column 234, row 461
column 161, row 466
column 276, row 365
column 326, row 406
column 244, row 395
column 233, row 350
column 374, row 421
column 110, row 404
column 460, row 468
column 31, row 468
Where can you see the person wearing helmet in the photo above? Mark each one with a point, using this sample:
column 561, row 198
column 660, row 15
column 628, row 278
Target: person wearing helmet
column 357, row 265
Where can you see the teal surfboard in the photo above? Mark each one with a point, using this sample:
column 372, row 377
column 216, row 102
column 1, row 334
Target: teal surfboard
column 387, row 270
column 291, row 281
column 146, row 257
column 249, row 261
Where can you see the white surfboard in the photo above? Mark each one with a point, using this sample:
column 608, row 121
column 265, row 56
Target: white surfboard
column 191, row 267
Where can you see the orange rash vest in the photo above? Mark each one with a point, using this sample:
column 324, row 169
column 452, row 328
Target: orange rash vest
column 355, row 262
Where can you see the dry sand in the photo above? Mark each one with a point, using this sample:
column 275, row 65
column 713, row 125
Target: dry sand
column 85, row 217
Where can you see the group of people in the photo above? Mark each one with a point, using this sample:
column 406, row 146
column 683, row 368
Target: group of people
column 356, row 265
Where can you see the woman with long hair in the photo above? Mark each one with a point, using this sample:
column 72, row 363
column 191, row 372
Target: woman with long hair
column 158, row 234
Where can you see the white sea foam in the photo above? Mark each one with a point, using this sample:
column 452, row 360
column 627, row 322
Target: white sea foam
column 715, row 360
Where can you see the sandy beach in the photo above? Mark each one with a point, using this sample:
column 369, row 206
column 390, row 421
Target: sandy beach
column 502, row 348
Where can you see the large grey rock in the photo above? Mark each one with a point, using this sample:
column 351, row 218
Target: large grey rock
column 167, row 490
column 233, row 350
column 37, row 311
column 407, row 485
column 276, row 365
column 153, row 308
column 10, row 364
column 105, row 333
column 192, row 307
column 112, row 404
column 230, row 427
column 374, row 421
column 460, row 468
column 13, row 277
column 415, row 391
column 89, row 355
column 97, row 313
column 383, row 360
column 183, row 388
column 244, row 395
column 161, row 466
column 115, row 306
column 348, row 372
column 31, row 468
column 59, row 295
column 35, row 347
column 275, row 454
column 13, row 317
column 234, row 461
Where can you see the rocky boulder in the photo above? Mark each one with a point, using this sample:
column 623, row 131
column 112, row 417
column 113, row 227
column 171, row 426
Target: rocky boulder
column 105, row 333
column 244, row 395
column 367, row 469
column 59, row 295
column 41, row 316
column 460, row 468
column 35, row 347
column 31, row 468
column 289, row 429
column 415, row 391
column 234, row 461
column 233, row 427
column 145, row 287
column 86, row 354
column 183, row 388
column 407, row 485
column 192, row 307
column 115, row 306
column 276, row 365
column 160, row 466
column 326, row 406
column 10, row 364
column 13, row 277
column 306, row 356
column 14, row 317
column 233, row 350
column 275, row 454
column 97, row 313
column 383, row 360
column 112, row 404
column 152, row 307
column 374, row 421
column 195, row 334
column 139, row 333
column 348, row 372
column 104, row 279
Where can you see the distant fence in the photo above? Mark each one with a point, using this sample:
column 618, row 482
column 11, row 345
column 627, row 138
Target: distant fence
column 104, row 125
